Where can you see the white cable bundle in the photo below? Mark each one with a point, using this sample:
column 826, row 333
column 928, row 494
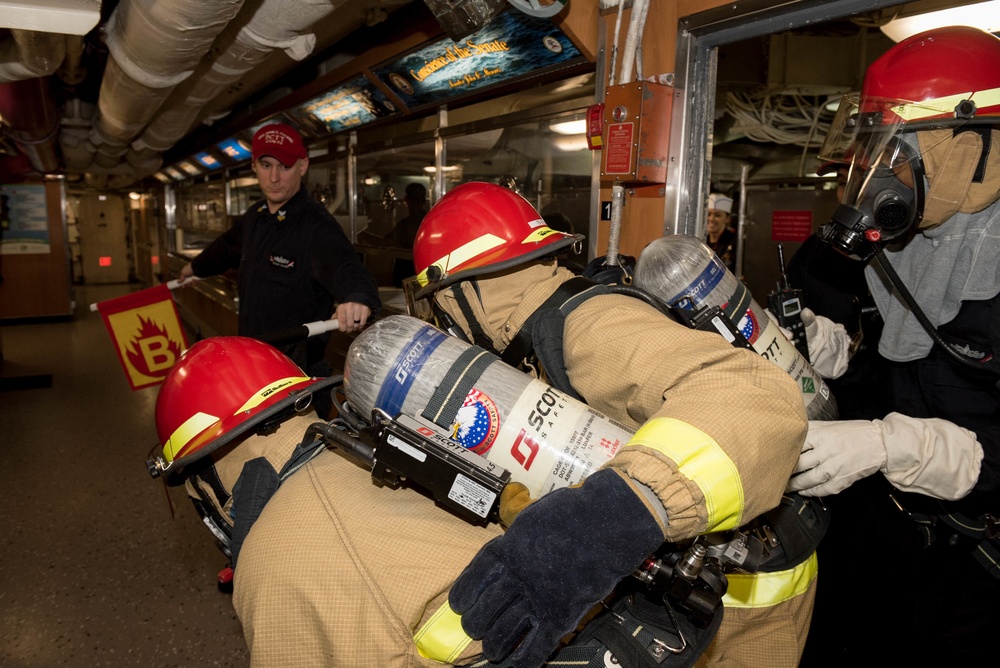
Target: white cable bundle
column 546, row 439
column 781, row 118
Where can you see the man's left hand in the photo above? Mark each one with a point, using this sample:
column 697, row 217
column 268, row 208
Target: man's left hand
column 928, row 456
column 352, row 316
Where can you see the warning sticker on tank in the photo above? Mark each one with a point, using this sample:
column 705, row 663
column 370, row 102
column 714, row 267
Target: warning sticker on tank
column 551, row 440
column 471, row 495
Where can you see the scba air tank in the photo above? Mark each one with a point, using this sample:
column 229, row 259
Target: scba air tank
column 544, row 438
column 683, row 271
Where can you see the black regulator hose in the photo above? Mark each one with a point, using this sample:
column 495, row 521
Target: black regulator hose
column 911, row 303
column 333, row 435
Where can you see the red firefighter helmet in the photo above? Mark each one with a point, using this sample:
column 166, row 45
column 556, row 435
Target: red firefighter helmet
column 479, row 228
column 221, row 388
column 943, row 76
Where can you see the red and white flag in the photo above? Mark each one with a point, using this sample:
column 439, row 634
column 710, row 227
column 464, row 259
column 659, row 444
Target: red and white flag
column 146, row 331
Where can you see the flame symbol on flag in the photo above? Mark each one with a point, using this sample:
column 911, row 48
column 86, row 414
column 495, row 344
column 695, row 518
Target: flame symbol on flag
column 151, row 351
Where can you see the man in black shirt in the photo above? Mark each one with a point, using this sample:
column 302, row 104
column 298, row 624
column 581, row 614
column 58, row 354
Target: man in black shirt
column 295, row 263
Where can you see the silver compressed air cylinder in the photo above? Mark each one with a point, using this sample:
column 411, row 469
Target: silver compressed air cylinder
column 545, row 438
column 682, row 271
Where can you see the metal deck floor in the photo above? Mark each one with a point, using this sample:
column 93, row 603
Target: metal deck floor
column 94, row 570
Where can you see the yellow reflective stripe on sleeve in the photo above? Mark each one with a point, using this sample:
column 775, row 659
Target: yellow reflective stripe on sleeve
column 914, row 111
column 762, row 590
column 701, row 460
column 442, row 638
column 265, row 392
column 193, row 426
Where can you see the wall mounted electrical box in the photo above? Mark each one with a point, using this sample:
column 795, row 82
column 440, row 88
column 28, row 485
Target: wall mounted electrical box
column 636, row 133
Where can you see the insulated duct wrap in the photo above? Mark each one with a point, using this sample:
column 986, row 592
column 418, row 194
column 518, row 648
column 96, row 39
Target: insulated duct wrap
column 544, row 438
column 274, row 24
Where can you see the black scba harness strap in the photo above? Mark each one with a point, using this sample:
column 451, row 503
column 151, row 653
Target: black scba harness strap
column 792, row 531
column 542, row 332
column 448, row 397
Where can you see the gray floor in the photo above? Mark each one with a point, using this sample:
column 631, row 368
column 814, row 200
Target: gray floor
column 95, row 567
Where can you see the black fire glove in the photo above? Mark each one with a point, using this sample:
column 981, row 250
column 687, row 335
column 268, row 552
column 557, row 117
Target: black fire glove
column 562, row 555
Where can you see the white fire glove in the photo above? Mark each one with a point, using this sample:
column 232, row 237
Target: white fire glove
column 928, row 456
column 829, row 344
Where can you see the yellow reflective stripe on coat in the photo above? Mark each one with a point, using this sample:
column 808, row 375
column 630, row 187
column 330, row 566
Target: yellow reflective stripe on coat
column 701, row 460
column 762, row 590
column 442, row 638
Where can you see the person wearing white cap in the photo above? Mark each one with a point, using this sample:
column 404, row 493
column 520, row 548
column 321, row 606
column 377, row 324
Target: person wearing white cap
column 721, row 237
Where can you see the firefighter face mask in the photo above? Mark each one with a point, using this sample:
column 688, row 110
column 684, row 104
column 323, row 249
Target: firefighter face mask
column 884, row 194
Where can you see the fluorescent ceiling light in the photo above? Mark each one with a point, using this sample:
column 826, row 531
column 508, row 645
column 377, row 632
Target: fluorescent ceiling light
column 983, row 15
column 569, row 127
column 570, row 144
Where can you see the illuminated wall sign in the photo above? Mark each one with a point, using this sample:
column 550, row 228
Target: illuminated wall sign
column 189, row 167
column 350, row 105
column 205, row 159
column 513, row 45
column 234, row 149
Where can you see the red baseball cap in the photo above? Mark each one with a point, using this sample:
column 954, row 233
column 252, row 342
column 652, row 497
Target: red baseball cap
column 280, row 141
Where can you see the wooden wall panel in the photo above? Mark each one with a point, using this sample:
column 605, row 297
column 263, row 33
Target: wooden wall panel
column 39, row 285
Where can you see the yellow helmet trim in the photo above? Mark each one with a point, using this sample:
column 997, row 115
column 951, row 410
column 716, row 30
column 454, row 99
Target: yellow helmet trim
column 461, row 255
column 915, row 111
column 193, row 426
column 265, row 392
column 539, row 235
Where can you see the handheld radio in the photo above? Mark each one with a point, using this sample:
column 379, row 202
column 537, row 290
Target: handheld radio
column 786, row 304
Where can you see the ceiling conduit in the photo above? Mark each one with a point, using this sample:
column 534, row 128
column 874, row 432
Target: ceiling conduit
column 26, row 54
column 275, row 24
column 154, row 45
column 28, row 107
column 27, row 58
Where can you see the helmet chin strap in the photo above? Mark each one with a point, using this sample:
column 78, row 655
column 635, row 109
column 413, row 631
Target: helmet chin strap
column 911, row 303
column 479, row 336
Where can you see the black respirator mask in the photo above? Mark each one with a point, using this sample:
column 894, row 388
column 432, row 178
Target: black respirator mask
column 883, row 202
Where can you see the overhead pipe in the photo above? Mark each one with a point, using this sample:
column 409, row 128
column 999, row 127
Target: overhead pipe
column 29, row 108
column 26, row 54
column 154, row 45
column 275, row 24
column 27, row 58
column 71, row 72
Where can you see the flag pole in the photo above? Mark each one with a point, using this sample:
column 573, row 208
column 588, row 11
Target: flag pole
column 172, row 284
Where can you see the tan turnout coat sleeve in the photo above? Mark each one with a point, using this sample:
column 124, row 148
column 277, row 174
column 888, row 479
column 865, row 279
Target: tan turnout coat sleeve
column 629, row 365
